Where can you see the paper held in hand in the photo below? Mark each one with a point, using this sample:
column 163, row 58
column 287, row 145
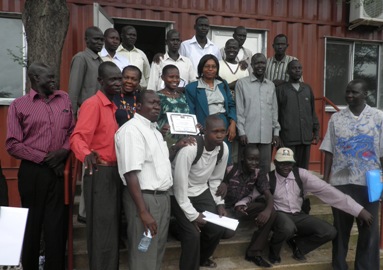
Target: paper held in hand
column 226, row 222
column 182, row 123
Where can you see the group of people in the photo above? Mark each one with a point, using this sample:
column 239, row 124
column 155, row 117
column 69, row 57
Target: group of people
column 114, row 121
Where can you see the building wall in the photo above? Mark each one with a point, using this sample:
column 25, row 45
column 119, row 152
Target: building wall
column 305, row 22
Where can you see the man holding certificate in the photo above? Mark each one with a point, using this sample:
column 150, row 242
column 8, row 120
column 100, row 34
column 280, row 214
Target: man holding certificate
column 193, row 187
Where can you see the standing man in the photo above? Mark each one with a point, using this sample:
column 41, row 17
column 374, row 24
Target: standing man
column 297, row 117
column 145, row 170
column 172, row 57
column 244, row 54
column 93, row 144
column 199, row 44
column 353, row 146
column 257, row 111
column 195, row 189
column 109, row 52
column 134, row 55
column 38, row 130
column 276, row 68
column 84, row 67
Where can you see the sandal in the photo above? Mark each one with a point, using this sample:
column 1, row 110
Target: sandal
column 209, row 263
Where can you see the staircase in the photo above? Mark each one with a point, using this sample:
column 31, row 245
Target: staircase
column 230, row 253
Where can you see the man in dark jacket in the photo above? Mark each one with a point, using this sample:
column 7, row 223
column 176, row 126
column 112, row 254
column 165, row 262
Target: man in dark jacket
column 296, row 115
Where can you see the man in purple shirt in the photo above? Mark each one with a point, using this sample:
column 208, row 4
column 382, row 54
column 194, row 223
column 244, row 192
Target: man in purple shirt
column 38, row 130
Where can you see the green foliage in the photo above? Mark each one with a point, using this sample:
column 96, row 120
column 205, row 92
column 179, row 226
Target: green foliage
column 18, row 57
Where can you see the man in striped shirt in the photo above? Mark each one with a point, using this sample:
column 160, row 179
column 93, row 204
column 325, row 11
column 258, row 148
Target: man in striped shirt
column 39, row 126
column 276, row 66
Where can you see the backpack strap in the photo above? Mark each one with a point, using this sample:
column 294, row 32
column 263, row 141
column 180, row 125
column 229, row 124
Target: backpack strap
column 298, row 180
column 201, row 146
column 230, row 174
column 272, row 181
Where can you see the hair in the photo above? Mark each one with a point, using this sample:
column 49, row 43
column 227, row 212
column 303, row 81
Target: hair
column 200, row 18
column 250, row 147
column 281, row 36
column 166, row 69
column 90, row 30
column 231, row 40
column 133, row 68
column 213, row 118
column 126, row 28
column 358, row 81
column 35, row 69
column 141, row 95
column 239, row 28
column 171, row 32
column 256, row 55
column 203, row 61
column 105, row 66
column 292, row 61
column 109, row 31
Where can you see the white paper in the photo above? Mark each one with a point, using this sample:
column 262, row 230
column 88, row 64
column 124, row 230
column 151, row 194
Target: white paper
column 12, row 228
column 226, row 222
column 182, row 123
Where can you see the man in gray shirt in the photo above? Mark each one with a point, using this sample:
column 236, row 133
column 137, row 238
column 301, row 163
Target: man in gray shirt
column 257, row 111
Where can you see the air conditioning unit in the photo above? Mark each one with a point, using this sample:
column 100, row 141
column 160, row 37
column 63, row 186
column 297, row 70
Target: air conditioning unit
column 367, row 12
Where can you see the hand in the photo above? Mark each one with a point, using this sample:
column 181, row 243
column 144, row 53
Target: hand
column 59, row 169
column 90, row 162
column 200, row 127
column 241, row 209
column 243, row 139
column 278, row 82
column 243, row 64
column 165, row 129
column 277, row 141
column 221, row 210
column 149, row 223
column 199, row 222
column 189, row 140
column 157, row 58
column 221, row 190
column 315, row 140
column 54, row 158
column 262, row 217
column 365, row 218
column 231, row 133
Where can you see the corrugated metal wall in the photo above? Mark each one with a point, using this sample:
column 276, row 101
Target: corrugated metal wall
column 305, row 22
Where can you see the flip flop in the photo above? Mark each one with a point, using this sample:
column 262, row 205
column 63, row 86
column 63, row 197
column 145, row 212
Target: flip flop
column 209, row 263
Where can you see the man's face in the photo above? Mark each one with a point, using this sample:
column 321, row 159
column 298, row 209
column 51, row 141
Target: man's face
column 95, row 41
column 231, row 49
column 215, row 132
column 355, row 95
column 240, row 35
column 280, row 45
column 295, row 71
column 258, row 63
column 150, row 107
column 111, row 81
column 283, row 168
column 174, row 42
column 251, row 159
column 202, row 27
column 129, row 37
column 46, row 81
column 112, row 41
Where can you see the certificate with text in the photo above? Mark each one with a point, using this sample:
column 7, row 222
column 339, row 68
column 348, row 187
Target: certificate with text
column 182, row 123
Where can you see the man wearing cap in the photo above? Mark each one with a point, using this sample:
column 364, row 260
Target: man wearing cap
column 302, row 231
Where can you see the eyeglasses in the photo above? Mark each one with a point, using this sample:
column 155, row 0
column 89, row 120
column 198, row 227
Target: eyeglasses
column 210, row 66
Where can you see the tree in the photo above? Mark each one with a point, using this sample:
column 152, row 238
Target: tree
column 46, row 25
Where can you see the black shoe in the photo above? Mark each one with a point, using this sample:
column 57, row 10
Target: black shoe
column 274, row 260
column 81, row 219
column 297, row 255
column 258, row 260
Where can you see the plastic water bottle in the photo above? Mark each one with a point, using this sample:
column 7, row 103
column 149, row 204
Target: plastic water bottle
column 145, row 242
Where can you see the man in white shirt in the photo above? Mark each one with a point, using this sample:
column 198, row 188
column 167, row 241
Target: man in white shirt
column 109, row 52
column 184, row 65
column 199, row 44
column 134, row 55
column 195, row 192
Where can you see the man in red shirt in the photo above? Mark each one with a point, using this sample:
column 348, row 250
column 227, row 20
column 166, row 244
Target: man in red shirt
column 38, row 130
column 93, row 144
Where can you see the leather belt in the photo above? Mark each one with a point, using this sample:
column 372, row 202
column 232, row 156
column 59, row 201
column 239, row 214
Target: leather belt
column 107, row 163
column 154, row 192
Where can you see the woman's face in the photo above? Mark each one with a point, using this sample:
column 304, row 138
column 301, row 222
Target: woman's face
column 130, row 81
column 171, row 79
column 209, row 70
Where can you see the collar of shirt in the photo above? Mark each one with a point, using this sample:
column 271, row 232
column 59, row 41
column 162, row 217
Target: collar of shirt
column 145, row 121
column 180, row 57
column 366, row 111
column 122, row 49
column 282, row 60
column 35, row 95
column 208, row 43
column 92, row 54
column 105, row 101
column 283, row 179
column 254, row 79
column 204, row 85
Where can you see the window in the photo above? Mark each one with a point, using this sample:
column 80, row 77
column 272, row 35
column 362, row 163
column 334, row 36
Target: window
column 348, row 60
column 12, row 55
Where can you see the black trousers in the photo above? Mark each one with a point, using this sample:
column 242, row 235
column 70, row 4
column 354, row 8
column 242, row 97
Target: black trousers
column 43, row 193
column 196, row 247
column 3, row 189
column 301, row 154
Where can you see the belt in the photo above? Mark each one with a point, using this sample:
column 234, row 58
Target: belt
column 154, row 192
column 107, row 163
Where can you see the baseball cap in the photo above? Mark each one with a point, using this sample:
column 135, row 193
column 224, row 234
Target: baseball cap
column 284, row 154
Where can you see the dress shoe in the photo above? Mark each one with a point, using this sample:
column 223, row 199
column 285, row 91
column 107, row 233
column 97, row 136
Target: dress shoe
column 297, row 255
column 274, row 259
column 258, row 260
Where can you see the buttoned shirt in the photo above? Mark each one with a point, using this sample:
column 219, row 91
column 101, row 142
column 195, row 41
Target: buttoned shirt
column 95, row 129
column 257, row 109
column 118, row 59
column 140, row 147
column 191, row 49
column 276, row 70
column 192, row 180
column 184, row 65
column 137, row 58
column 356, row 144
column 37, row 126
column 215, row 99
column 244, row 54
column 83, row 81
